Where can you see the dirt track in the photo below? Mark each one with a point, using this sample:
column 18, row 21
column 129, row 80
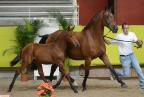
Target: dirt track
column 95, row 88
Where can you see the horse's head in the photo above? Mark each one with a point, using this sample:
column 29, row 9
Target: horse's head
column 71, row 38
column 109, row 21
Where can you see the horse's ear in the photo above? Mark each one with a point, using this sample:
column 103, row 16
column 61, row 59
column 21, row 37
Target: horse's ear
column 72, row 28
column 68, row 28
column 108, row 9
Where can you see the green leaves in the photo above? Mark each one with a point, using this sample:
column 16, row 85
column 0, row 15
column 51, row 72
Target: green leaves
column 61, row 20
column 25, row 34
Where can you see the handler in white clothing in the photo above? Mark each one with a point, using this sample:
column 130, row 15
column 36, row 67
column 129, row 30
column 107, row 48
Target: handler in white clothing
column 126, row 54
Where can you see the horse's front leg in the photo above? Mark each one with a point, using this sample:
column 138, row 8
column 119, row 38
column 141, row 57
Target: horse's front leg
column 40, row 71
column 60, row 80
column 64, row 73
column 106, row 61
column 87, row 67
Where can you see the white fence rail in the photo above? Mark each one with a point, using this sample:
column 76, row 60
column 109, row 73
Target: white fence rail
column 11, row 15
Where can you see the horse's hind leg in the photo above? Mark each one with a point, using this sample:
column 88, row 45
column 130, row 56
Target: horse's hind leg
column 25, row 61
column 40, row 71
column 53, row 69
column 23, row 66
column 17, row 72
column 105, row 59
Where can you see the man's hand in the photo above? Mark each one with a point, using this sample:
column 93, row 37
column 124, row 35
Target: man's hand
column 139, row 43
column 107, row 41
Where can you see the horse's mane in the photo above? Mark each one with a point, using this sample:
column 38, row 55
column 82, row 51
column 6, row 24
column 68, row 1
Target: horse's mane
column 60, row 35
column 92, row 20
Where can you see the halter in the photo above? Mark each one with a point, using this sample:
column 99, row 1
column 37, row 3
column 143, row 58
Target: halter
column 105, row 36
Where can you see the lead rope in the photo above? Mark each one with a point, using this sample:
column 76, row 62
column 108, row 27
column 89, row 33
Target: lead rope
column 105, row 36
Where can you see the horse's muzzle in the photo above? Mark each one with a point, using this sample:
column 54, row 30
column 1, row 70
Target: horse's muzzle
column 77, row 45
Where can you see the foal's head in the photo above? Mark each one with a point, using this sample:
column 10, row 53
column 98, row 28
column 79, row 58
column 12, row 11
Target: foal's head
column 109, row 22
column 70, row 37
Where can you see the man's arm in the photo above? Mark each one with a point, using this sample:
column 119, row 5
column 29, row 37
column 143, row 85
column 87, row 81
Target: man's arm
column 113, row 41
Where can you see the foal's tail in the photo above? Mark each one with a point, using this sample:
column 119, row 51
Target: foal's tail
column 27, row 52
column 15, row 60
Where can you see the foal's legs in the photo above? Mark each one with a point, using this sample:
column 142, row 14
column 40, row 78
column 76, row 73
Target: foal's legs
column 106, row 61
column 63, row 71
column 87, row 67
column 17, row 72
column 40, row 71
column 53, row 69
column 59, row 81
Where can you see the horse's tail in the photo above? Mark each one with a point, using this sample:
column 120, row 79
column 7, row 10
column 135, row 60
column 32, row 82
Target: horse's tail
column 15, row 60
column 43, row 39
column 27, row 51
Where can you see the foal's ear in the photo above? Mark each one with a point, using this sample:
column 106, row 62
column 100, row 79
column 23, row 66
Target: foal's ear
column 108, row 9
column 69, row 28
column 72, row 28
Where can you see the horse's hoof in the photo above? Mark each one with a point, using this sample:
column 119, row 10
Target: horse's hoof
column 124, row 85
column 75, row 91
column 84, row 89
column 8, row 91
column 54, row 86
column 75, row 84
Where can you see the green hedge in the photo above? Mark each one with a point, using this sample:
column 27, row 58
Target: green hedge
column 6, row 42
column 7, row 35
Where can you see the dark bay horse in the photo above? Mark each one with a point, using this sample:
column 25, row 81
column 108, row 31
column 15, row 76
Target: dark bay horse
column 92, row 45
column 52, row 53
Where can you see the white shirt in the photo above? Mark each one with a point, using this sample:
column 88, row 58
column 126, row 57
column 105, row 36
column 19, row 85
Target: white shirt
column 125, row 48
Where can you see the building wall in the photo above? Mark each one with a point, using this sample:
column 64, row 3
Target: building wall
column 130, row 11
column 87, row 8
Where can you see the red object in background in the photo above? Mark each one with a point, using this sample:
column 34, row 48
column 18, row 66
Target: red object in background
column 130, row 11
column 88, row 8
